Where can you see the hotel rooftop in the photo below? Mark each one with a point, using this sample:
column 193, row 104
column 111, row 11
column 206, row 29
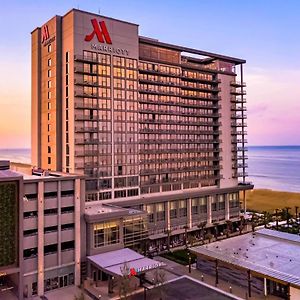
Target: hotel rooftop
column 266, row 252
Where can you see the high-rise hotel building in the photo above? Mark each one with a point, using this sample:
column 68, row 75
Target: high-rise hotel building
column 154, row 126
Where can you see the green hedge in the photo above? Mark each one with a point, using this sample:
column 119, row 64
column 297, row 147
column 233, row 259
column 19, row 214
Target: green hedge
column 180, row 256
column 8, row 217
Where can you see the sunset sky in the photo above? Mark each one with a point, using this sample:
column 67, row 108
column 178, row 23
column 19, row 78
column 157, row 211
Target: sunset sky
column 265, row 33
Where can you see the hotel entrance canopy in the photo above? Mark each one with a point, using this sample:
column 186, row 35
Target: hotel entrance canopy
column 113, row 262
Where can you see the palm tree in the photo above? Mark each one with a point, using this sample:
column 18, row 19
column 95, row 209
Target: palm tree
column 209, row 236
column 201, row 226
column 216, row 224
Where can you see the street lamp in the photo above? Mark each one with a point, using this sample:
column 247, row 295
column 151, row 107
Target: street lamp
column 189, row 259
column 276, row 214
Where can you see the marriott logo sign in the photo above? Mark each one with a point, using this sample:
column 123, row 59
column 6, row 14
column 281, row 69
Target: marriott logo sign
column 101, row 32
column 103, row 37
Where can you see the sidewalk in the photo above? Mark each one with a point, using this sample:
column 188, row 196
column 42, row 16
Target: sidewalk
column 67, row 293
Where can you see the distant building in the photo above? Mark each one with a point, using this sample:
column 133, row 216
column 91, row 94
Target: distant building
column 266, row 262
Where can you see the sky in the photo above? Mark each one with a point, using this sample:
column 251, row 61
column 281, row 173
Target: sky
column 264, row 32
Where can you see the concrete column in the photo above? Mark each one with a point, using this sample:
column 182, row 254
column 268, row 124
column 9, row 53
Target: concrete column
column 168, row 221
column 121, row 232
column 59, row 221
column 244, row 202
column 77, row 201
column 209, row 216
column 265, row 287
column 189, row 213
column 41, row 274
column 227, row 215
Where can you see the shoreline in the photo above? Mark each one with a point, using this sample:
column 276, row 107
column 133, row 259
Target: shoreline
column 269, row 200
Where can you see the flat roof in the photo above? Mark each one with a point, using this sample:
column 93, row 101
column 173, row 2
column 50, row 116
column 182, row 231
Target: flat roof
column 188, row 288
column 112, row 262
column 264, row 252
column 226, row 58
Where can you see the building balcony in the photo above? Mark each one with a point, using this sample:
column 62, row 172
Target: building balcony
column 238, row 84
column 95, row 60
column 180, row 113
column 238, row 116
column 235, row 91
column 211, row 98
column 199, row 79
column 181, row 104
column 177, row 122
column 181, row 180
column 239, row 124
column 87, row 141
column 159, row 92
column 234, row 140
column 166, row 151
column 83, row 94
column 82, row 105
column 239, row 166
column 86, row 129
column 240, row 148
column 237, row 100
column 201, row 89
column 180, row 160
column 82, row 70
column 161, row 131
column 82, row 82
column 238, row 132
column 238, row 108
column 239, row 174
column 179, row 141
column 180, row 169
column 85, row 118
column 158, row 72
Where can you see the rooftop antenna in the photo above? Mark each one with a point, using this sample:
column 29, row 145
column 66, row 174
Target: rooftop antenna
column 99, row 11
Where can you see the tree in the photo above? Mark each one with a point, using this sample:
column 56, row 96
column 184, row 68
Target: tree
column 209, row 236
column 216, row 224
column 159, row 280
column 201, row 226
column 242, row 224
column 125, row 280
column 228, row 229
column 80, row 297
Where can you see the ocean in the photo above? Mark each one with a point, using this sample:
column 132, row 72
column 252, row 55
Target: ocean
column 270, row 167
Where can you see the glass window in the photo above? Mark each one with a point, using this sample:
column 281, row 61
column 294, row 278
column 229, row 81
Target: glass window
column 106, row 233
column 173, row 209
column 160, row 212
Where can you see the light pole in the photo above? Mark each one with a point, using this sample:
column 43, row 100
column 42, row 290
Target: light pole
column 189, row 258
column 276, row 214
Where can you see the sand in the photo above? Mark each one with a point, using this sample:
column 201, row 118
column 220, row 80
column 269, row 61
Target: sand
column 268, row 200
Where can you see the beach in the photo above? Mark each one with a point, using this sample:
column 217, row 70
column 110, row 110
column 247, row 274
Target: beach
column 269, row 200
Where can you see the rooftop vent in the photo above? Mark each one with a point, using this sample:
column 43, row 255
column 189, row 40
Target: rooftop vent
column 4, row 164
column 39, row 172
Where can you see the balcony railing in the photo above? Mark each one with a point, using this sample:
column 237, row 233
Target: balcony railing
column 237, row 91
column 238, row 83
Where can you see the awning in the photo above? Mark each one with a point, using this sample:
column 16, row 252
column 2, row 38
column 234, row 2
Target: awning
column 113, row 262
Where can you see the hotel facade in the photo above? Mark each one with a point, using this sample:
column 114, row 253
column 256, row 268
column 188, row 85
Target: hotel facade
column 158, row 130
